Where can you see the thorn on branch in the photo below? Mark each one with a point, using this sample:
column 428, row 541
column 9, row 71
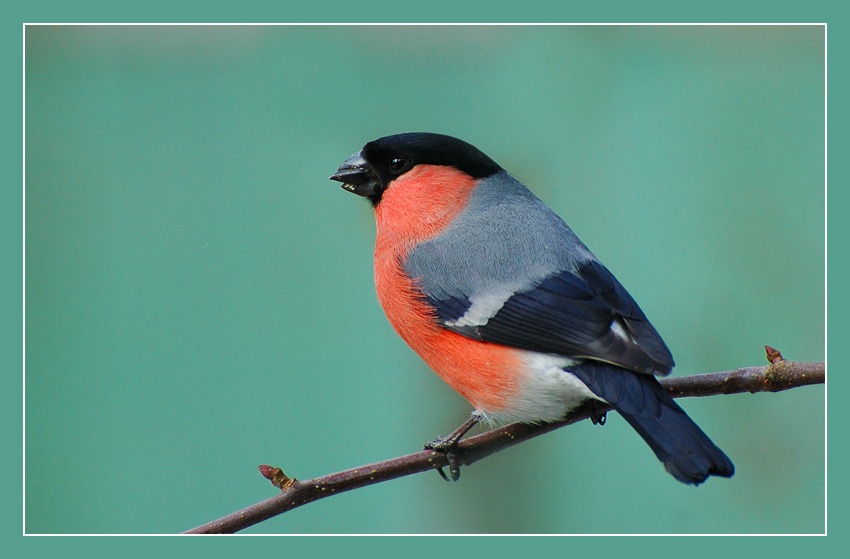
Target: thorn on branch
column 773, row 355
column 276, row 476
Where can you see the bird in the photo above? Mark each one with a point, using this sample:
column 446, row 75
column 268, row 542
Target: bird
column 499, row 297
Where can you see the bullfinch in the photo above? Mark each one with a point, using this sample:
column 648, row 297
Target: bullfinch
column 505, row 303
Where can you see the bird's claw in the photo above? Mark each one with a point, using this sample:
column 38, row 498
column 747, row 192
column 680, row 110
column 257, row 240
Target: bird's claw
column 440, row 444
column 447, row 447
column 598, row 412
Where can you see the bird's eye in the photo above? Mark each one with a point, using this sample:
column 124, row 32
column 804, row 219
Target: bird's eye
column 397, row 164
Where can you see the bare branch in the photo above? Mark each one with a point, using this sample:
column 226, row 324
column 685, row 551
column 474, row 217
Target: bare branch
column 780, row 375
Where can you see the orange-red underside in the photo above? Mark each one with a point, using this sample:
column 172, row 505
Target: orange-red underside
column 415, row 208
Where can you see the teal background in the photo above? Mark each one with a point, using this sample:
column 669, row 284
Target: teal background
column 199, row 297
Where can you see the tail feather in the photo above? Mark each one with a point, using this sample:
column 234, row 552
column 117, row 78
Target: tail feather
column 686, row 452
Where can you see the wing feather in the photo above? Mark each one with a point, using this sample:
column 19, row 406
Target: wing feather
column 586, row 314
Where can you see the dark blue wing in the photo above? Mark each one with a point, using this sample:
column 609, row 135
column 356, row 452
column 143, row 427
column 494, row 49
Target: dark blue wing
column 585, row 314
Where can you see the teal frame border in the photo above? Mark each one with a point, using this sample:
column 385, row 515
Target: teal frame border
column 386, row 12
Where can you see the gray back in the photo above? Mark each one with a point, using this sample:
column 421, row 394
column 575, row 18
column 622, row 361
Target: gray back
column 506, row 238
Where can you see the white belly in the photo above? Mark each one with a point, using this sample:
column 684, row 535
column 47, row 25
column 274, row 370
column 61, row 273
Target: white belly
column 546, row 393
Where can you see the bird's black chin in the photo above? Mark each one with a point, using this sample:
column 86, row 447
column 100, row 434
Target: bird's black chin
column 358, row 177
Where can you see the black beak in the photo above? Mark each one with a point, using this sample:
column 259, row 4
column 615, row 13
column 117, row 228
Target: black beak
column 357, row 176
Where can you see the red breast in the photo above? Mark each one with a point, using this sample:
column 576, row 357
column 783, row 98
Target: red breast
column 417, row 207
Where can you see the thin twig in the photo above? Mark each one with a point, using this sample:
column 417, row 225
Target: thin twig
column 781, row 375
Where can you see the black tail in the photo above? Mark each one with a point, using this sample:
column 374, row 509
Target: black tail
column 686, row 452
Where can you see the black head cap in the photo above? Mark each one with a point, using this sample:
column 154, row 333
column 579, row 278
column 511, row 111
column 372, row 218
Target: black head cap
column 369, row 172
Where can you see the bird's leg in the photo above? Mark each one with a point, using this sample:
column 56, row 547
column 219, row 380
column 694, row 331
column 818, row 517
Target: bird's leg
column 448, row 445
